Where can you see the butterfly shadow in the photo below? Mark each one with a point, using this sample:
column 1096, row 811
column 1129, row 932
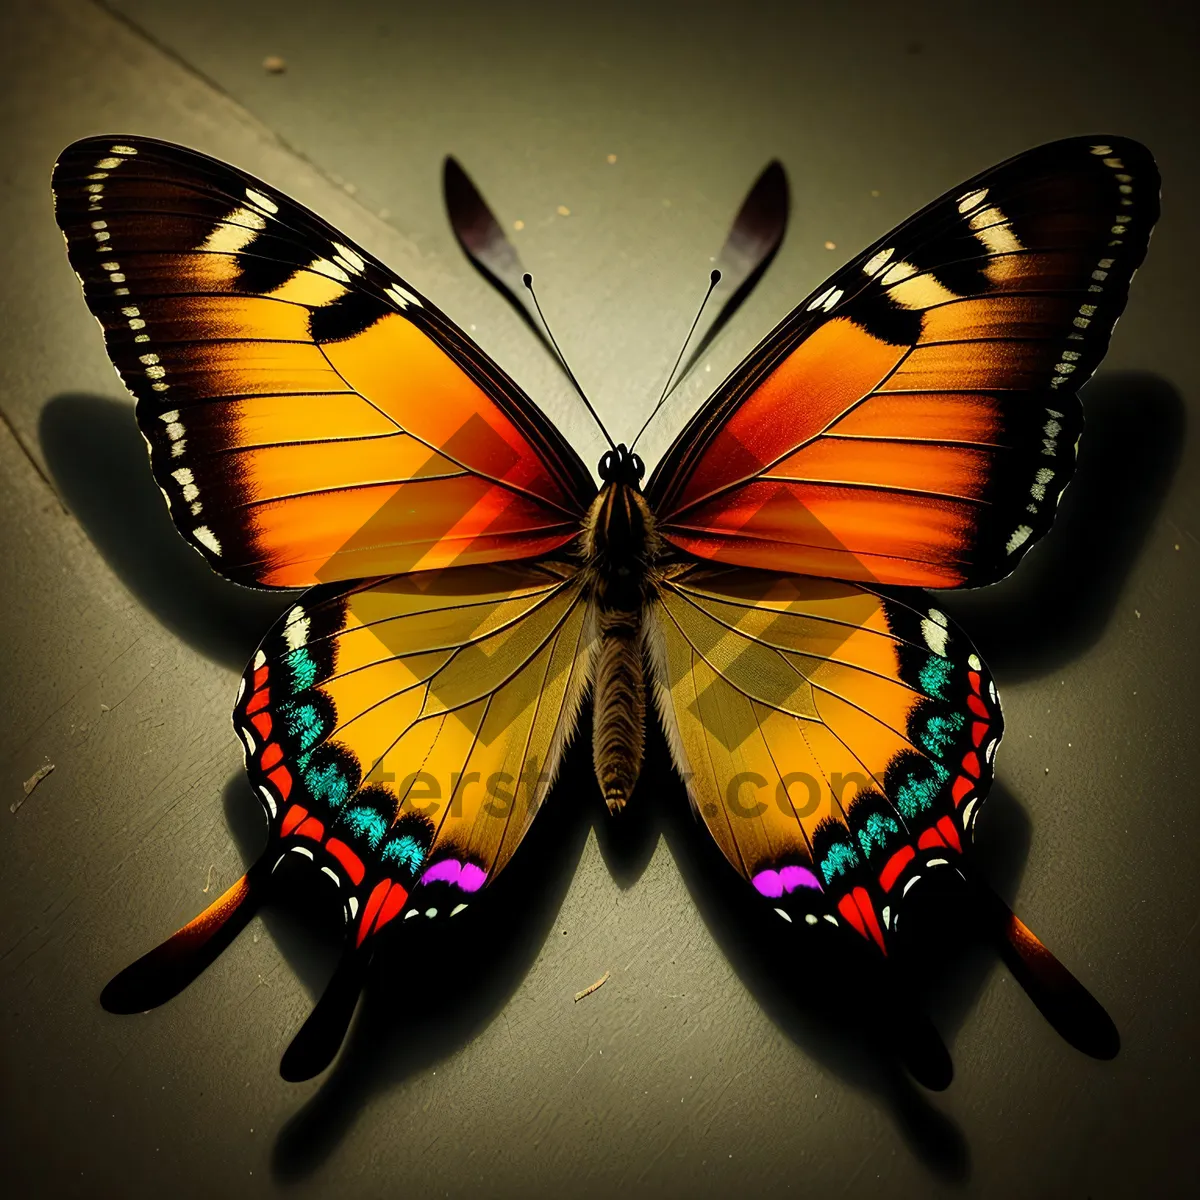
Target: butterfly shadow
column 97, row 460
column 1058, row 602
column 823, row 993
column 435, row 986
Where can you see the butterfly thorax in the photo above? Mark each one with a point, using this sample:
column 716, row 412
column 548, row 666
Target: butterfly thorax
column 620, row 548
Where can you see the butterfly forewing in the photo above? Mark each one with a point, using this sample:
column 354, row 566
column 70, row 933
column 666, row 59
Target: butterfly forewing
column 914, row 421
column 310, row 416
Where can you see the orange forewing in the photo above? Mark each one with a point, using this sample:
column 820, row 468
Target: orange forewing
column 310, row 417
column 914, row 421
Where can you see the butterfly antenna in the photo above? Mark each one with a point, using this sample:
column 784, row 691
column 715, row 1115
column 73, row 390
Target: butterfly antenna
column 713, row 280
column 527, row 280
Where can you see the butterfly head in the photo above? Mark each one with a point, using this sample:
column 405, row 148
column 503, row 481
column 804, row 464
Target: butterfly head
column 621, row 465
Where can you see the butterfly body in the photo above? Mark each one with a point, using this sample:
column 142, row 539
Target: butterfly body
column 313, row 420
column 621, row 549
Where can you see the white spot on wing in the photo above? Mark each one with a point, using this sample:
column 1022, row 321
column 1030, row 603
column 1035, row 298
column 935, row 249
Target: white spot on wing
column 296, row 631
column 913, row 289
column 235, row 232
column 348, row 258
column 990, row 226
column 971, row 199
column 403, row 296
column 187, row 482
column 1042, row 477
column 331, row 270
column 1020, row 536
column 206, row 537
column 260, row 201
column 826, row 300
column 876, row 264
column 935, row 636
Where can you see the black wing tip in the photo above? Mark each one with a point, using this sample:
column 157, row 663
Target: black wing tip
column 141, row 986
column 1075, row 1014
column 1078, row 1017
column 1092, row 1031
column 313, row 1049
column 454, row 174
column 319, row 1039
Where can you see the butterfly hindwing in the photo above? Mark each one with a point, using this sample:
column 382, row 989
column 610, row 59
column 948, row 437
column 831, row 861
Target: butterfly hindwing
column 409, row 728
column 836, row 742
column 310, row 416
column 914, row 421
column 401, row 734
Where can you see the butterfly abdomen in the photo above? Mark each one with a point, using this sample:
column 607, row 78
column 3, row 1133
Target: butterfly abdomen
column 620, row 545
column 619, row 719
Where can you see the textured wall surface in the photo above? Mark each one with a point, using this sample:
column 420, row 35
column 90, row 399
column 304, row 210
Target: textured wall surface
column 691, row 1071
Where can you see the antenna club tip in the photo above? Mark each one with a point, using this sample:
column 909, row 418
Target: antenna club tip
column 715, row 276
column 527, row 280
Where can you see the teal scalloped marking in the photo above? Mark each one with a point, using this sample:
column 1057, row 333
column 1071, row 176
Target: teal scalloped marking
column 303, row 723
column 941, row 732
column 367, row 824
column 876, row 830
column 302, row 669
column 934, row 676
column 839, row 858
column 405, row 852
column 328, row 786
column 914, row 796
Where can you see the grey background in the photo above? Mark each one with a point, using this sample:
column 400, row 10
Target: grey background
column 693, row 1070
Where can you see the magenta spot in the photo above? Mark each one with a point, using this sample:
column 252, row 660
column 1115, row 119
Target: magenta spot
column 793, row 877
column 769, row 883
column 467, row 876
column 446, row 871
column 472, row 877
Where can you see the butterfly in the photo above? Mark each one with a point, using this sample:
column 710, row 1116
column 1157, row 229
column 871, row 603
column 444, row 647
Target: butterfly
column 315, row 422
